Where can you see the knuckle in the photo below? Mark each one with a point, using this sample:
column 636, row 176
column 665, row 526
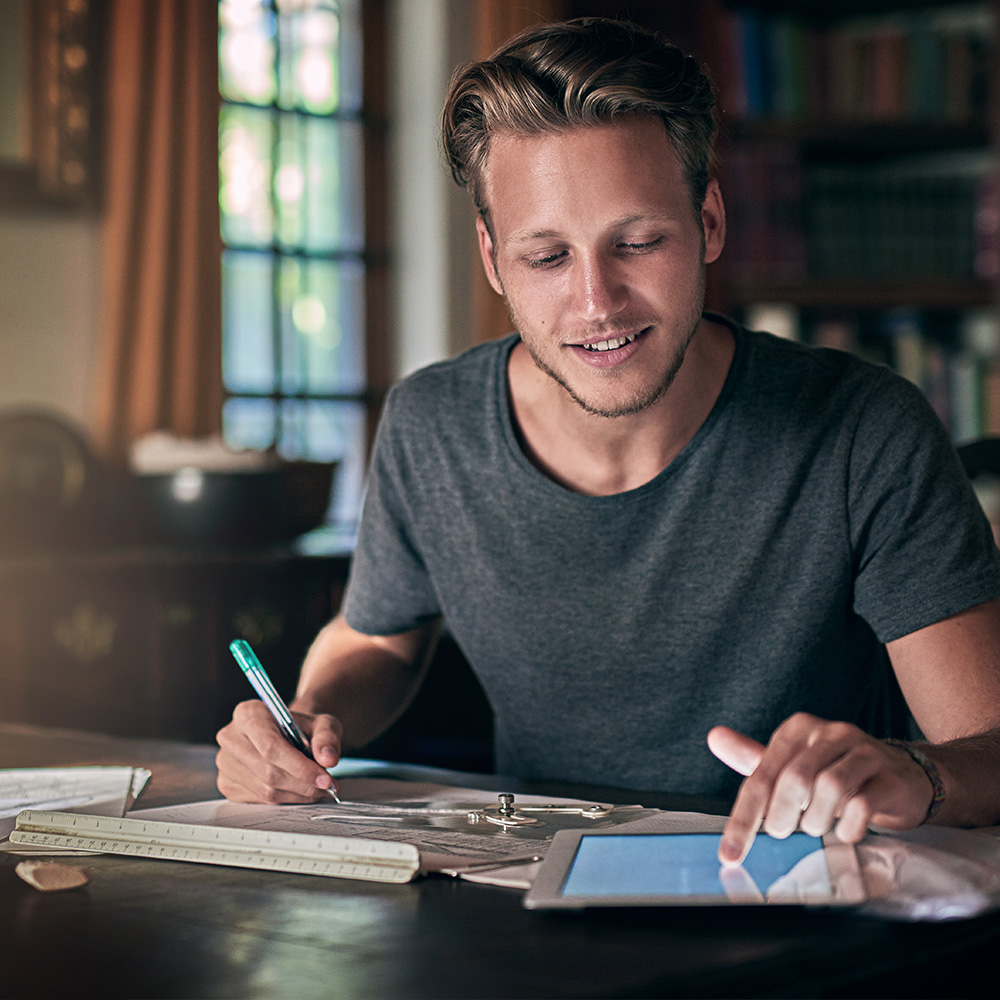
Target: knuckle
column 831, row 784
column 839, row 732
column 271, row 796
column 796, row 777
column 795, row 785
column 269, row 775
column 243, row 711
column 777, row 827
column 232, row 790
column 863, row 803
column 248, row 712
column 814, row 826
column 799, row 722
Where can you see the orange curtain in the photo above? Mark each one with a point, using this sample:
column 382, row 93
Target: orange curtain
column 160, row 346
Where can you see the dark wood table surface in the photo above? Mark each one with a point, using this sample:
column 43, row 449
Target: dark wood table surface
column 150, row 928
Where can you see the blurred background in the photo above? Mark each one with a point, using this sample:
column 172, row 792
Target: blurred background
column 226, row 229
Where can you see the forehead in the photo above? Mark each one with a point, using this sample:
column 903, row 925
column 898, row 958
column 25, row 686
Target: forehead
column 553, row 178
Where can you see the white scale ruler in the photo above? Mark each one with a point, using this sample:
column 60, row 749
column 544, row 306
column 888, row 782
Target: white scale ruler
column 306, row 854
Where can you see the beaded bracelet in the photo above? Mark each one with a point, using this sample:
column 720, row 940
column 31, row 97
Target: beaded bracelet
column 932, row 772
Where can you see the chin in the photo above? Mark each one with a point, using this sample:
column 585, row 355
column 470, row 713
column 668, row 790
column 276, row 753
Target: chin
column 621, row 400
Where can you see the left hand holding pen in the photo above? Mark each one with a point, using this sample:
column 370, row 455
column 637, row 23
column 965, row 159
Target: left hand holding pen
column 817, row 776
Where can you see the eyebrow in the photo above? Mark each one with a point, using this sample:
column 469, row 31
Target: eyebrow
column 527, row 235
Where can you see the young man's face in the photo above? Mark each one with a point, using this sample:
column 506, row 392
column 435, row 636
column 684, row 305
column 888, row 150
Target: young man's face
column 600, row 257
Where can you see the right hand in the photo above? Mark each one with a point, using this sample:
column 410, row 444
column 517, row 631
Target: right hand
column 257, row 764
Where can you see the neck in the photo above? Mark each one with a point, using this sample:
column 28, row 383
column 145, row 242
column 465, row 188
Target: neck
column 600, row 456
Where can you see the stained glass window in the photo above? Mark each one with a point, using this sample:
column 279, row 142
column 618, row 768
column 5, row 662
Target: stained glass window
column 291, row 195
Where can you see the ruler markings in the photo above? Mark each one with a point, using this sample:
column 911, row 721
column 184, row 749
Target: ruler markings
column 274, row 850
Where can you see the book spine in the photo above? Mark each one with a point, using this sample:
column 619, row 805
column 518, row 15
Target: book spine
column 912, row 66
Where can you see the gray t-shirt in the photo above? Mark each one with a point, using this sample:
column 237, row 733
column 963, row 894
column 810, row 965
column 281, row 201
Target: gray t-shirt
column 819, row 512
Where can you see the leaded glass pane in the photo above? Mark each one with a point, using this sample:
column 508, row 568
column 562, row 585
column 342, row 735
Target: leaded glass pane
column 246, row 140
column 247, row 51
column 249, row 423
column 309, row 69
column 248, row 361
column 318, row 187
column 322, row 316
column 319, row 69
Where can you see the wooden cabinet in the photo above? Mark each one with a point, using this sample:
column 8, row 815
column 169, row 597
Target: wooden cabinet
column 134, row 641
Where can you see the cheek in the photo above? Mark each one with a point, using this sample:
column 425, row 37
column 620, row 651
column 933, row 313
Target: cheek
column 538, row 301
column 682, row 280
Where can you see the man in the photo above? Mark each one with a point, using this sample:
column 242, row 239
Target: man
column 645, row 525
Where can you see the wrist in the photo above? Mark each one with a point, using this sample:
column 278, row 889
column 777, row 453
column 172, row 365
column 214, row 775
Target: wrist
column 932, row 772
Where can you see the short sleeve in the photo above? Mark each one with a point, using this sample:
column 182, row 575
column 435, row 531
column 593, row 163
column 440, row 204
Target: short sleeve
column 923, row 549
column 389, row 590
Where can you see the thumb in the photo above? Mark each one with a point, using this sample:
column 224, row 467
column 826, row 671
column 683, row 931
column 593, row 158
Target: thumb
column 325, row 735
column 735, row 750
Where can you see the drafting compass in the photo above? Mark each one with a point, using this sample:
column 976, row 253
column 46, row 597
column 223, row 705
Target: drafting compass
column 508, row 815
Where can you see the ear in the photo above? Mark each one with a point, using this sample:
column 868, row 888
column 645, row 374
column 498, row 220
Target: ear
column 486, row 255
column 713, row 221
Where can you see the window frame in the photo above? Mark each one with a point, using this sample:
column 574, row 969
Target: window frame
column 374, row 254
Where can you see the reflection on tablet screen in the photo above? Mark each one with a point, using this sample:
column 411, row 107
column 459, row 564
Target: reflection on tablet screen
column 688, row 865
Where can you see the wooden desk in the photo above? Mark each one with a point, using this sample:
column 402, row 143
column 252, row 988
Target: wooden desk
column 145, row 929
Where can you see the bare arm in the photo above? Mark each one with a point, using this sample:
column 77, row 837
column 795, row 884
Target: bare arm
column 950, row 676
column 352, row 688
column 818, row 775
column 365, row 680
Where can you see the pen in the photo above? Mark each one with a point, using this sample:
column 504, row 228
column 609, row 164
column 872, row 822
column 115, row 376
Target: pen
column 256, row 675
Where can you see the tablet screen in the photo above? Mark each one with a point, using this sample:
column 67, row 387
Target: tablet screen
column 683, row 864
column 614, row 869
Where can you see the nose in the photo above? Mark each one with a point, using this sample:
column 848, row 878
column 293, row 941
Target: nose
column 600, row 291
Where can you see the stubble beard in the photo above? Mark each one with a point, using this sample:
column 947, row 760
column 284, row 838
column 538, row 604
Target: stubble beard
column 638, row 402
column 641, row 399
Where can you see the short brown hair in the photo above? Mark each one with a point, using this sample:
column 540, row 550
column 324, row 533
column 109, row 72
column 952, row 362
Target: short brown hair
column 586, row 71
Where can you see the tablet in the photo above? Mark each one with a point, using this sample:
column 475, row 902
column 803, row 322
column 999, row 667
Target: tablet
column 583, row 869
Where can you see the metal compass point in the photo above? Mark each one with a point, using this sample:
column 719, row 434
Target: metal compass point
column 507, row 814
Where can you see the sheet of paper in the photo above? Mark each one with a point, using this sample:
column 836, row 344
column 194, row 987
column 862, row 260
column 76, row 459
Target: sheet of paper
column 435, row 818
column 100, row 791
column 522, row 876
column 680, row 822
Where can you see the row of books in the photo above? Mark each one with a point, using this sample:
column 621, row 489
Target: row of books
column 956, row 365
column 930, row 217
column 894, row 221
column 953, row 357
column 924, row 65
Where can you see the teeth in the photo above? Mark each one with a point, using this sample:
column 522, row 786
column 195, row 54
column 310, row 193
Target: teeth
column 611, row 345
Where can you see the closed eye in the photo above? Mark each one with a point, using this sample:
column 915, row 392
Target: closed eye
column 547, row 261
column 640, row 247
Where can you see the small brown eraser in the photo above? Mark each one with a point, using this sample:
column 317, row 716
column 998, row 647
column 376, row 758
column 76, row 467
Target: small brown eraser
column 47, row 876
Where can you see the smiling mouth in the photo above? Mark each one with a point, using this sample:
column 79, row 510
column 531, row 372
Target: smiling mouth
column 612, row 344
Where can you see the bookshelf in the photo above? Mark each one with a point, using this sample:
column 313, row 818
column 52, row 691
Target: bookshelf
column 858, row 161
column 859, row 166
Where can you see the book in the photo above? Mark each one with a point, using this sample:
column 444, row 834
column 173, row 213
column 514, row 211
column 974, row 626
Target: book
column 917, row 65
